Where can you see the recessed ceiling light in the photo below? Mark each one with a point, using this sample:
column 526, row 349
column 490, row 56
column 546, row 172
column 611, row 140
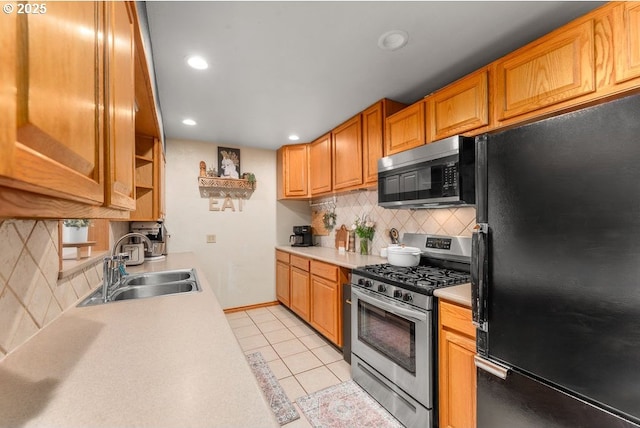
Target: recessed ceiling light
column 294, row 137
column 393, row 40
column 189, row 122
column 197, row 62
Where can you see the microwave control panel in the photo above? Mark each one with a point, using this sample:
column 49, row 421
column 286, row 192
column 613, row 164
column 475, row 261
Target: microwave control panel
column 450, row 179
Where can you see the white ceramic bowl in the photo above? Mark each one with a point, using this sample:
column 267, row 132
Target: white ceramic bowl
column 403, row 256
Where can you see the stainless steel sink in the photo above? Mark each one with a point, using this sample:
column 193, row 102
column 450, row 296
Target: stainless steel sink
column 152, row 278
column 148, row 284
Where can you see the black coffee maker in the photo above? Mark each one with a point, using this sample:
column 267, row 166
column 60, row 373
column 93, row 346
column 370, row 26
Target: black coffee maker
column 301, row 236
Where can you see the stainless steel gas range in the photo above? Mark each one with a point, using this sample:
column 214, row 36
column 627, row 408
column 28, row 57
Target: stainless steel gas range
column 393, row 325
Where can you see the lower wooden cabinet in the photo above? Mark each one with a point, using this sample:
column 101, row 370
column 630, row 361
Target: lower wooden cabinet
column 456, row 368
column 326, row 300
column 300, row 292
column 282, row 278
column 313, row 290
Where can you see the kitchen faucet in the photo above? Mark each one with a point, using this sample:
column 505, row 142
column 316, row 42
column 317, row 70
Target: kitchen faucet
column 113, row 266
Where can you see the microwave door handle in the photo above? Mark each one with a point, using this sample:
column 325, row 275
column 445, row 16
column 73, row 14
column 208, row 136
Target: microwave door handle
column 479, row 275
column 396, row 310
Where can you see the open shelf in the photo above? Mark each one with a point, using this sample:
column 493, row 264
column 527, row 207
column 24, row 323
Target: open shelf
column 223, row 187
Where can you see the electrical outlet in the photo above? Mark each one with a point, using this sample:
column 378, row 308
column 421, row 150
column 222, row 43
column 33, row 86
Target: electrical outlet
column 211, row 239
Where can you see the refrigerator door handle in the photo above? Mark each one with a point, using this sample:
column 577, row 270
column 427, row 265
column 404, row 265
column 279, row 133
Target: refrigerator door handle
column 479, row 276
column 491, row 367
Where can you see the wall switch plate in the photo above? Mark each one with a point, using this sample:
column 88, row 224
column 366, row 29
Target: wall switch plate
column 211, row 239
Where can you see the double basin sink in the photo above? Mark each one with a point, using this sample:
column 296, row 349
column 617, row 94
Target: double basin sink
column 148, row 284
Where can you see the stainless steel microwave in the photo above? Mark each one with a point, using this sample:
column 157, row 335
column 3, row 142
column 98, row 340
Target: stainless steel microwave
column 436, row 175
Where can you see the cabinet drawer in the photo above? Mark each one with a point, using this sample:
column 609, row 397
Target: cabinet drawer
column 299, row 262
column 456, row 318
column 324, row 270
column 282, row 256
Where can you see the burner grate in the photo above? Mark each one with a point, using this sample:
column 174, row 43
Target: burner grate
column 419, row 276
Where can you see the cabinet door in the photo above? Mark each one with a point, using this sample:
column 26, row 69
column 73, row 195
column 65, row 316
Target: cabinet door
column 51, row 121
column 457, row 372
column 458, row 108
column 299, row 298
column 372, row 142
column 405, row 129
column 373, row 137
column 325, row 308
column 320, row 165
column 293, row 173
column 121, row 106
column 558, row 68
column 626, row 40
column 282, row 282
column 347, row 154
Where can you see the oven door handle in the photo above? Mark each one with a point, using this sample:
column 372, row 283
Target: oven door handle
column 389, row 307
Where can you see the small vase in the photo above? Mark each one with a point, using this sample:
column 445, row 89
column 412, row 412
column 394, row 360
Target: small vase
column 365, row 246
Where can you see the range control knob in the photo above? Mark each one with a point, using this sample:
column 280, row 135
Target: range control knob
column 360, row 281
column 368, row 283
column 382, row 288
column 408, row 297
column 397, row 293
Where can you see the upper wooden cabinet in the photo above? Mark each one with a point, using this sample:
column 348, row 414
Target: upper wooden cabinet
column 320, row 163
column 150, row 166
column 121, row 102
column 626, row 40
column 293, row 171
column 51, row 102
column 347, row 154
column 405, row 129
column 458, row 108
column 373, row 137
column 67, row 111
column 555, row 68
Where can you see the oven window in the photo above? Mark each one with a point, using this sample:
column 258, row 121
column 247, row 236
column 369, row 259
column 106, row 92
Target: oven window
column 389, row 334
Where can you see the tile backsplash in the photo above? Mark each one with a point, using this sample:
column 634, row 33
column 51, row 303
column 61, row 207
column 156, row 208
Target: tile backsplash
column 442, row 221
column 30, row 293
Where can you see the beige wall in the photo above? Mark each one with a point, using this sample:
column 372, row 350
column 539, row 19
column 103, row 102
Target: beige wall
column 31, row 295
column 240, row 265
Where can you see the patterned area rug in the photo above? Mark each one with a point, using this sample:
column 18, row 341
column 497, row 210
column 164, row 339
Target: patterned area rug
column 273, row 392
column 345, row 405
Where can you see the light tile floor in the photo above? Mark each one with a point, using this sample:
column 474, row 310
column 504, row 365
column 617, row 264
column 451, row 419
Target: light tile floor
column 301, row 359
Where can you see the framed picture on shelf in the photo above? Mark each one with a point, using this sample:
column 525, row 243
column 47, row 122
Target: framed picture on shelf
column 228, row 162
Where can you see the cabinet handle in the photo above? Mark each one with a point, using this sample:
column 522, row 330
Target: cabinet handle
column 348, row 301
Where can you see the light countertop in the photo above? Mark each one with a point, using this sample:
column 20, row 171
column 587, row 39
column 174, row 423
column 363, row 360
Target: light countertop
column 460, row 294
column 165, row 361
column 331, row 255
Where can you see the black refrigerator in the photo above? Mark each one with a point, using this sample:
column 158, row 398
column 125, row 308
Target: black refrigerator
column 556, row 271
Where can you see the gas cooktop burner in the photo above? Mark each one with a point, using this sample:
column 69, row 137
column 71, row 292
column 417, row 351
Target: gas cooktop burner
column 416, row 276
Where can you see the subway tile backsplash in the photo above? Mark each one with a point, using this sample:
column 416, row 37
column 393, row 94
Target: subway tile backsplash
column 442, row 221
column 30, row 293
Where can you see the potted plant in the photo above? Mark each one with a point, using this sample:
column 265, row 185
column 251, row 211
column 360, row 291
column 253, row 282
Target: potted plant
column 75, row 230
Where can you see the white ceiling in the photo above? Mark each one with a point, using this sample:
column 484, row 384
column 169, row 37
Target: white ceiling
column 277, row 68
